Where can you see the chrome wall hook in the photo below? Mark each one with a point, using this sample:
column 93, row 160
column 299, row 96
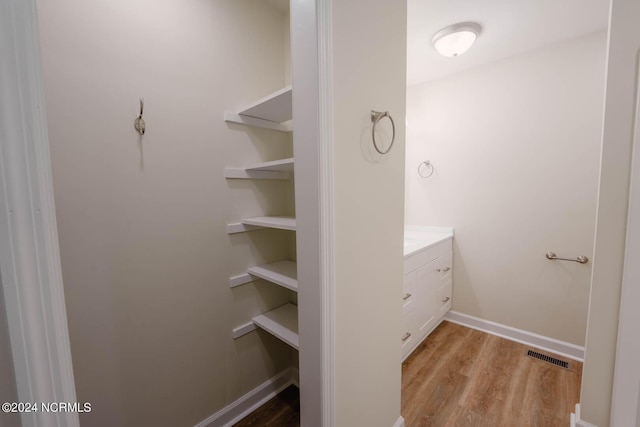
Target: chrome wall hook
column 139, row 123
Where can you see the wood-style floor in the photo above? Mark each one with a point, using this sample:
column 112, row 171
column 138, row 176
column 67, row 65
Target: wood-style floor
column 281, row 411
column 460, row 377
column 463, row 377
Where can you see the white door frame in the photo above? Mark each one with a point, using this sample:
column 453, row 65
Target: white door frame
column 314, row 193
column 29, row 252
column 625, row 400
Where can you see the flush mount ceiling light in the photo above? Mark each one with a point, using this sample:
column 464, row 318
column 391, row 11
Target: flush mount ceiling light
column 456, row 39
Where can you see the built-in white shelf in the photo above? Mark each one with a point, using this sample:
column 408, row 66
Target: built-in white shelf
column 272, row 112
column 275, row 107
column 243, row 329
column 240, row 279
column 283, row 273
column 281, row 322
column 259, row 222
column 282, row 165
column 238, row 227
column 242, row 173
column 277, row 169
column 259, row 123
column 279, row 222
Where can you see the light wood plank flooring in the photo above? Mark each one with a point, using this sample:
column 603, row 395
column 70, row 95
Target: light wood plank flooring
column 460, row 377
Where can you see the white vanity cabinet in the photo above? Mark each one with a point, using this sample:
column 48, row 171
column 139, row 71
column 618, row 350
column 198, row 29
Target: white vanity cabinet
column 427, row 290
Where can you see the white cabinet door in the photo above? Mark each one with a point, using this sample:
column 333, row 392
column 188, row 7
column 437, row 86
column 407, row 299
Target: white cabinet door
column 426, row 297
column 408, row 333
column 444, row 271
column 408, row 297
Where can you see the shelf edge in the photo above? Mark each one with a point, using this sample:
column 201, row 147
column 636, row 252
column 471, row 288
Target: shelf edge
column 287, row 336
column 240, row 280
column 232, row 117
column 242, row 173
column 238, row 227
column 266, row 224
column 244, row 329
column 272, row 165
column 274, row 277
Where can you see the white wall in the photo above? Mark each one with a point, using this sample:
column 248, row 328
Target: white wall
column 516, row 146
column 146, row 259
column 369, row 72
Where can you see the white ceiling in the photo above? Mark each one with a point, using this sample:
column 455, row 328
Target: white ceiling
column 509, row 27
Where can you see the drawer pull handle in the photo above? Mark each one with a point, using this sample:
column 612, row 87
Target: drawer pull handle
column 406, row 297
column 406, row 337
column 443, row 269
column 446, row 299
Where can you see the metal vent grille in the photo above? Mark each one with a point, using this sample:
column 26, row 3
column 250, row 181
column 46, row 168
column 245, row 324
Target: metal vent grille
column 549, row 359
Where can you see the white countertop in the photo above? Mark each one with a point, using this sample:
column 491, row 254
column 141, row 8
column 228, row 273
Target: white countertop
column 418, row 237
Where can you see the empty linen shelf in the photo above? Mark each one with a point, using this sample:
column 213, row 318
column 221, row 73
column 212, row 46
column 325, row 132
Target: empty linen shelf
column 250, row 224
column 277, row 169
column 281, row 322
column 283, row 273
column 271, row 112
column 283, row 165
column 275, row 107
column 279, row 222
column 243, row 173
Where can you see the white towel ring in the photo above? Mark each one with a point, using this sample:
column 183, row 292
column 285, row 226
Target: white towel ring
column 426, row 163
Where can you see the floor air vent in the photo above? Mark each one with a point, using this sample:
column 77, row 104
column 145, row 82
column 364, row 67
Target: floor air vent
column 549, row 359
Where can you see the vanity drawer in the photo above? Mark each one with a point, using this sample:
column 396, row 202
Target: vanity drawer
column 445, row 296
column 418, row 259
column 444, row 266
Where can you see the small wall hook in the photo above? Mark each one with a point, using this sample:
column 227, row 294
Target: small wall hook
column 139, row 123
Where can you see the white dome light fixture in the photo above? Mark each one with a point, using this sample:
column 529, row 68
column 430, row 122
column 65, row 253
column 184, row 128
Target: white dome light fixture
column 456, row 39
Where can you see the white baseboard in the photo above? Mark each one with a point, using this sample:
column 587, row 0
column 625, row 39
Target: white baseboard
column 399, row 422
column 577, row 422
column 552, row 345
column 248, row 403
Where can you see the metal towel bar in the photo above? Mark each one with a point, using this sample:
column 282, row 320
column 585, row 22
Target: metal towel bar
column 582, row 259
